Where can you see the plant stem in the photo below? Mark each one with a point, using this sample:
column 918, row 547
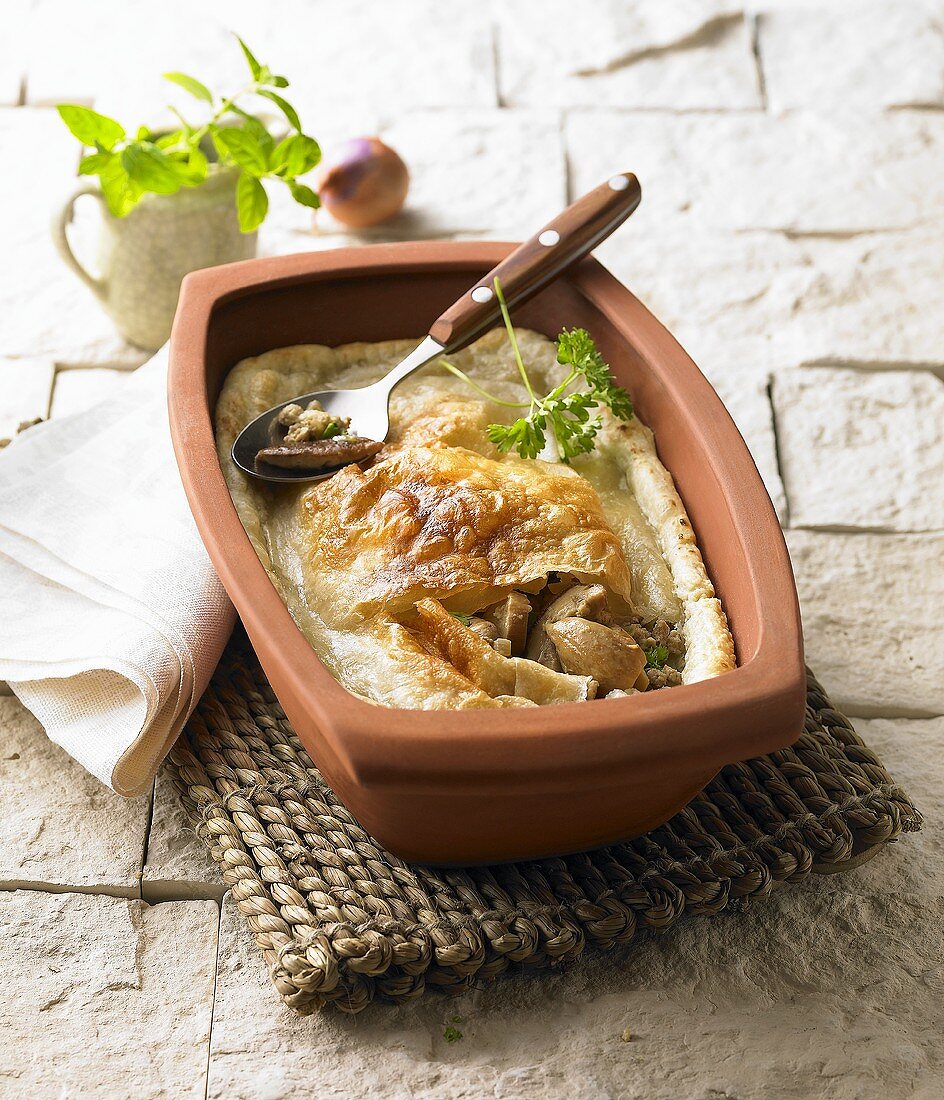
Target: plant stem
column 563, row 386
column 479, row 389
column 503, row 306
column 198, row 135
column 186, row 124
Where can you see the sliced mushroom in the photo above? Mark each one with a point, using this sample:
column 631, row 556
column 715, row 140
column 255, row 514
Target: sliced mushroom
column 605, row 653
column 496, row 675
column 511, row 619
column 489, row 631
column 319, row 454
column 585, row 601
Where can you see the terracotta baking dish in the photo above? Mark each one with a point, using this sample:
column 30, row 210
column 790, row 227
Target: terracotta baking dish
column 482, row 786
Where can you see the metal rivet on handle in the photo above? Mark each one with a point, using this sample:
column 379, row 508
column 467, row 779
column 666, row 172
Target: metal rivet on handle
column 483, row 294
column 618, row 183
column 549, row 237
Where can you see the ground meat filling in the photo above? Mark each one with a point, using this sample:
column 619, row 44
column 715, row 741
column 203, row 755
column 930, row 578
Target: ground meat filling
column 664, row 647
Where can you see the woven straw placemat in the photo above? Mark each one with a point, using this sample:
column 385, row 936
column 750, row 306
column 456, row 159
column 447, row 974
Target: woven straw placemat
column 341, row 921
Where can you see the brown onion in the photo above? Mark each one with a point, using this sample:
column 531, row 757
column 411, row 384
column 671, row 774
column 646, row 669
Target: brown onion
column 365, row 183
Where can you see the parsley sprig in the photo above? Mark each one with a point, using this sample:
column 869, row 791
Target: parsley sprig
column 564, row 413
column 163, row 163
column 656, row 656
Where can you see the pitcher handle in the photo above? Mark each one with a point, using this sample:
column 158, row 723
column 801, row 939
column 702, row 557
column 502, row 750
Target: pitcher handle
column 60, row 223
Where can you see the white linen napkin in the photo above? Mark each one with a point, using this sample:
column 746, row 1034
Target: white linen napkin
column 112, row 619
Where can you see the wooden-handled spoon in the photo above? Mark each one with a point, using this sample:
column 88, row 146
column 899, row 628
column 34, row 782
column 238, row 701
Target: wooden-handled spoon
column 534, row 264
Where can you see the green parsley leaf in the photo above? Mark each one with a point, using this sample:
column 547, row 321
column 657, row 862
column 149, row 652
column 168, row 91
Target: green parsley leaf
column 451, row 1034
column 526, row 436
column 577, row 350
column 90, row 127
column 252, row 203
column 567, row 415
column 656, row 656
column 190, row 84
column 466, row 620
column 573, row 427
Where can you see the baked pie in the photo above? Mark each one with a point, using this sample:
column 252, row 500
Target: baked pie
column 441, row 573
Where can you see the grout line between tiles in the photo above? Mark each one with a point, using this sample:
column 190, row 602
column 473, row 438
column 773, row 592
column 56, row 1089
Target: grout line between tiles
column 754, row 32
column 129, row 893
column 496, row 67
column 778, row 457
column 147, row 838
column 862, row 529
column 216, row 979
column 907, row 714
column 568, row 163
column 865, row 366
column 159, row 891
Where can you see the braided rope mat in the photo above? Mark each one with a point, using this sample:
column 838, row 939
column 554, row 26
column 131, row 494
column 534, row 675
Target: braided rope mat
column 341, row 921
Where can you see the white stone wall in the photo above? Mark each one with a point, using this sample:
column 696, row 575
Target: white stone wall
column 792, row 237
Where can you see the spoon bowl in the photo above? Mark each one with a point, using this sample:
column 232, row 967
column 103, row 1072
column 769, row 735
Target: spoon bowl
column 365, row 407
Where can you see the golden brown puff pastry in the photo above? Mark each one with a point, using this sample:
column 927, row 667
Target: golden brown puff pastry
column 448, row 522
column 441, row 517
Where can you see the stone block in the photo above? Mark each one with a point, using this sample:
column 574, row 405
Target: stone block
column 105, row 997
column 63, row 829
column 871, row 617
column 862, row 449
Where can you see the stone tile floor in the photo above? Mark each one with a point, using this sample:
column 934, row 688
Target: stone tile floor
column 792, row 237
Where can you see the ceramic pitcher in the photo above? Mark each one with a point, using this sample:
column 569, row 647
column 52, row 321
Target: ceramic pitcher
column 143, row 257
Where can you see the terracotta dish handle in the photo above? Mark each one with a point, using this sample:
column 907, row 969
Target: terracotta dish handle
column 563, row 241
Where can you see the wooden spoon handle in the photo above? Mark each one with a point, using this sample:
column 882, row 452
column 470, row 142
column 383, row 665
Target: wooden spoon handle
column 532, row 265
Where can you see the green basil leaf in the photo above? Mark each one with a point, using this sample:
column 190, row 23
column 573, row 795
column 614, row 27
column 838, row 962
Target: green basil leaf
column 254, row 67
column 90, row 127
column 193, row 169
column 151, row 168
column 286, row 108
column 95, row 163
column 120, row 191
column 251, row 124
column 279, row 82
column 168, row 141
column 190, row 84
column 304, row 195
column 243, row 147
column 295, row 155
column 252, row 203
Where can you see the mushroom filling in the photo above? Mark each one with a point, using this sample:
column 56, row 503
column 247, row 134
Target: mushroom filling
column 562, row 640
column 312, row 439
